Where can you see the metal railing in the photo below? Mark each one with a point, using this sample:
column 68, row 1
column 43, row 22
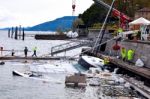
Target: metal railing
column 68, row 46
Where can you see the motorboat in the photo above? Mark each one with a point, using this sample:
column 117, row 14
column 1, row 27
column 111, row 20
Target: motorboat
column 90, row 61
column 17, row 73
column 29, row 74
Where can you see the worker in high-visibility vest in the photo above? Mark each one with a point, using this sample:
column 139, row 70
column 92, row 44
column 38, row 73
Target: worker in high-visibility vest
column 130, row 55
column 123, row 53
column 34, row 51
column 106, row 63
column 120, row 30
column 106, row 60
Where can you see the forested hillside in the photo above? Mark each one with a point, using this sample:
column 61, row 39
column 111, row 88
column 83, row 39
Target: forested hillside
column 96, row 13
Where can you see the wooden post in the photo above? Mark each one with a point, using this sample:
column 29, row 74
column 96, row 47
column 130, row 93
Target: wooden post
column 23, row 34
column 12, row 30
column 9, row 33
column 16, row 33
column 19, row 31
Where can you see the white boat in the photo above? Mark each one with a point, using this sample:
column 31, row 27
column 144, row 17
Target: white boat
column 90, row 61
column 29, row 74
column 16, row 73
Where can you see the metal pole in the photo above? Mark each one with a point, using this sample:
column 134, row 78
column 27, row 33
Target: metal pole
column 103, row 26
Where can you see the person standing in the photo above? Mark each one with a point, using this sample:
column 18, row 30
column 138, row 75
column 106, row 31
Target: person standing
column 123, row 53
column 26, row 51
column 34, row 51
column 13, row 52
column 1, row 49
column 130, row 55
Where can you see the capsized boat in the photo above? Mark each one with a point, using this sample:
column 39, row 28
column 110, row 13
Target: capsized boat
column 17, row 73
column 29, row 74
column 90, row 61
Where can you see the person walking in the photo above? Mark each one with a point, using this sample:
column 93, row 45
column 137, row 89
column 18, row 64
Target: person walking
column 34, row 51
column 26, row 51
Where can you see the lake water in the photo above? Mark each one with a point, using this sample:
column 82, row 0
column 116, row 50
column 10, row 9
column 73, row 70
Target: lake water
column 49, row 86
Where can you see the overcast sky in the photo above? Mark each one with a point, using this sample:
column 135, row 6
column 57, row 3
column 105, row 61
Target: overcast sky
column 32, row 12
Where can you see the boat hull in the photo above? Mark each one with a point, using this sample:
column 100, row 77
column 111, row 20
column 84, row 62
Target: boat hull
column 84, row 63
column 16, row 73
column 90, row 61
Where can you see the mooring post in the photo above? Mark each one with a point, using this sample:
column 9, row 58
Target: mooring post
column 23, row 34
column 19, row 31
column 16, row 33
column 8, row 33
column 12, row 32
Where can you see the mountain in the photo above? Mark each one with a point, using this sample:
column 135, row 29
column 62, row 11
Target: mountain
column 63, row 23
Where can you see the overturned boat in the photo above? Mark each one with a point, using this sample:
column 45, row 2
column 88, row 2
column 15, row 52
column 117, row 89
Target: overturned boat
column 17, row 73
column 91, row 61
column 29, row 74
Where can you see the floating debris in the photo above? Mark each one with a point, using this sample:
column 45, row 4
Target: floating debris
column 76, row 80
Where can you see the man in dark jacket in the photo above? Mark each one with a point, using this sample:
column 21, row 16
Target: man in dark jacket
column 26, row 51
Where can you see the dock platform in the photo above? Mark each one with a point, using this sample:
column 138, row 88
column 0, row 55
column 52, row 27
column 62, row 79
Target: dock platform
column 141, row 72
column 36, row 58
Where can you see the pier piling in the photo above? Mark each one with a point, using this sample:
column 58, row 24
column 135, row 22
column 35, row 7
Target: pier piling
column 12, row 32
column 23, row 34
column 8, row 33
column 16, row 33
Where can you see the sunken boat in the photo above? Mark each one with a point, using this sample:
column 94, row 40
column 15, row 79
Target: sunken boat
column 90, row 61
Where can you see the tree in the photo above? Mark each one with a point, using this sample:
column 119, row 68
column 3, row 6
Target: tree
column 93, row 15
column 96, row 14
column 77, row 22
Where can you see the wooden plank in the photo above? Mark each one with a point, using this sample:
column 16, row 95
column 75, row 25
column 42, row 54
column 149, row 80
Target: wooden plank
column 142, row 71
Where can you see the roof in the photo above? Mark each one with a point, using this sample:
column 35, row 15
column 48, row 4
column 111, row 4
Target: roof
column 140, row 21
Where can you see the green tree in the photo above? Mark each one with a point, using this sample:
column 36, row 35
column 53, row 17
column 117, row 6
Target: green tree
column 93, row 15
column 77, row 22
column 96, row 13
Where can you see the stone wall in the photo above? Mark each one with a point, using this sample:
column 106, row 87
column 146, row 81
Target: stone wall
column 142, row 50
column 93, row 34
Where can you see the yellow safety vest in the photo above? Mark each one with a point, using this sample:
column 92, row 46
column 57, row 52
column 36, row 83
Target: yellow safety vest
column 120, row 30
column 123, row 52
column 130, row 54
column 106, row 60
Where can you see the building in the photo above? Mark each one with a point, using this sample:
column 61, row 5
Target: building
column 82, row 30
column 145, row 12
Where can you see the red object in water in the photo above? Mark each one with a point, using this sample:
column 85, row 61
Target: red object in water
column 116, row 47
